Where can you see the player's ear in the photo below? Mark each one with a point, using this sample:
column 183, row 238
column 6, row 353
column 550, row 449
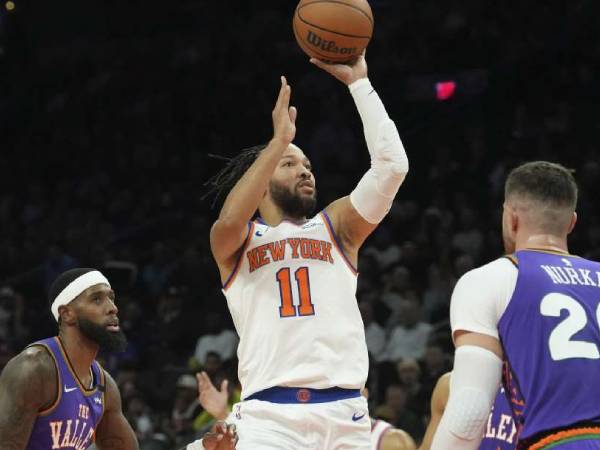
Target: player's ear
column 511, row 218
column 573, row 222
column 67, row 315
column 514, row 219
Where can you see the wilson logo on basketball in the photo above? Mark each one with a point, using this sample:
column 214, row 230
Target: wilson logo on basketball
column 329, row 46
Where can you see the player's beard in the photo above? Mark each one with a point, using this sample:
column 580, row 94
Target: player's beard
column 293, row 204
column 110, row 341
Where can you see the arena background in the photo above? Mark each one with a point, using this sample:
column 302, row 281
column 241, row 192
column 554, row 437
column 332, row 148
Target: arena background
column 109, row 110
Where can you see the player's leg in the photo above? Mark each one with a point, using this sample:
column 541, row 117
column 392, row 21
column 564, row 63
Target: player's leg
column 270, row 426
column 346, row 424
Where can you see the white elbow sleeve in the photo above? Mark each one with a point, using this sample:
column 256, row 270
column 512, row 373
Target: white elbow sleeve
column 473, row 386
column 373, row 196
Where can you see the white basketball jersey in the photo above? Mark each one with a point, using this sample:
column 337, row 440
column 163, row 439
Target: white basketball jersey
column 292, row 296
column 378, row 430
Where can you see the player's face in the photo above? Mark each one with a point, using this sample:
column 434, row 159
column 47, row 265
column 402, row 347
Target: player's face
column 97, row 318
column 292, row 187
column 508, row 235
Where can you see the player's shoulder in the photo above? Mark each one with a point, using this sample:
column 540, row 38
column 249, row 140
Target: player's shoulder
column 397, row 439
column 496, row 271
column 34, row 361
column 32, row 375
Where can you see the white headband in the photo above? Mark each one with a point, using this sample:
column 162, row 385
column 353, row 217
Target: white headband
column 76, row 287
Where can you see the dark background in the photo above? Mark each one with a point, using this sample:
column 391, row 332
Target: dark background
column 109, row 109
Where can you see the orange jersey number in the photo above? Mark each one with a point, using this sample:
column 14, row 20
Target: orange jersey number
column 287, row 308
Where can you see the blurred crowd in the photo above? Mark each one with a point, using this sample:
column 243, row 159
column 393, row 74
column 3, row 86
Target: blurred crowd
column 113, row 110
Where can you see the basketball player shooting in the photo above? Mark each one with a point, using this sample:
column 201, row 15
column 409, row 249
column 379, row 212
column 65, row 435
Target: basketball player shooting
column 290, row 279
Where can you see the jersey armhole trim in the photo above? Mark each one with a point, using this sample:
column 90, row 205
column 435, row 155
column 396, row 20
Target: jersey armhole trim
column 513, row 259
column 102, row 383
column 238, row 263
column 53, row 405
column 336, row 242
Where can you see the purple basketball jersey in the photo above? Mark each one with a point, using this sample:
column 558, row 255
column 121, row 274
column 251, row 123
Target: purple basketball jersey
column 71, row 421
column 501, row 431
column 551, row 339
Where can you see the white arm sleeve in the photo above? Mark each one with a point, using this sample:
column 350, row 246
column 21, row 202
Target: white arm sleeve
column 473, row 385
column 373, row 196
column 481, row 296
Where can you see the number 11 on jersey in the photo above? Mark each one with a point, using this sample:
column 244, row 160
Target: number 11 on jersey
column 288, row 308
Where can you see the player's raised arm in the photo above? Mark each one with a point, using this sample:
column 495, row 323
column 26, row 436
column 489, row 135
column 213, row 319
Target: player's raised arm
column 229, row 231
column 356, row 216
column 114, row 432
column 27, row 386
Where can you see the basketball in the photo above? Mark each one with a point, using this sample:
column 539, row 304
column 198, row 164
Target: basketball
column 334, row 31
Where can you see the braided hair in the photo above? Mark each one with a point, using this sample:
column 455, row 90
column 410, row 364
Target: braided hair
column 234, row 169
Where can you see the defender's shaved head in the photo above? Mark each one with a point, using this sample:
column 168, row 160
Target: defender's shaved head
column 545, row 192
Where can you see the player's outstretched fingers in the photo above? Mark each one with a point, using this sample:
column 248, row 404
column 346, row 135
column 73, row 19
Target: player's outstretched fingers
column 220, row 427
column 283, row 100
column 233, row 435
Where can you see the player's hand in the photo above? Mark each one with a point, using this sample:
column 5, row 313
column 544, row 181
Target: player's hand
column 221, row 437
column 284, row 115
column 347, row 73
column 212, row 400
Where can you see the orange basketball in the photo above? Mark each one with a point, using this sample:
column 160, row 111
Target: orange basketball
column 333, row 30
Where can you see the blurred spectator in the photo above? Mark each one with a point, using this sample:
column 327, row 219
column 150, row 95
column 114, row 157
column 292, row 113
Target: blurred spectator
column 395, row 410
column 138, row 414
column 396, row 283
column 12, row 317
column 155, row 275
column 185, row 409
column 436, row 298
column 435, row 363
column 216, row 339
column 409, row 374
column 374, row 333
column 172, row 331
column 409, row 338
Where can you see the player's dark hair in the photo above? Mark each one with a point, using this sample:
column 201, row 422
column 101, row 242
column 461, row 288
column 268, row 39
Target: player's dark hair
column 545, row 182
column 62, row 281
column 229, row 175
